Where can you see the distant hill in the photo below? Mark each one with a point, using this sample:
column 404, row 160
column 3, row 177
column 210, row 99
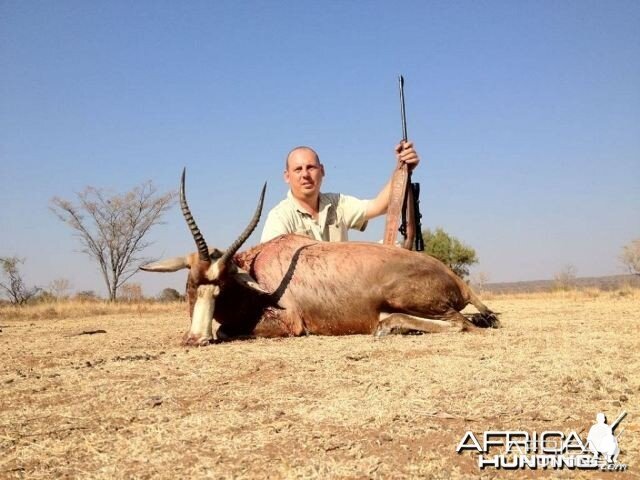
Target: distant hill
column 611, row 282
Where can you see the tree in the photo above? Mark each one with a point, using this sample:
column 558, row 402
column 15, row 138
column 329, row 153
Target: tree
column 170, row 295
column 59, row 288
column 87, row 295
column 131, row 292
column 630, row 256
column 449, row 250
column 14, row 287
column 566, row 278
column 112, row 228
column 480, row 281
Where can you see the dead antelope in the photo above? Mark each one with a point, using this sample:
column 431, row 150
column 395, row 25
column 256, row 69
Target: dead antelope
column 293, row 285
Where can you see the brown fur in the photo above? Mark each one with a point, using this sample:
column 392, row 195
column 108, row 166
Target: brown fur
column 332, row 288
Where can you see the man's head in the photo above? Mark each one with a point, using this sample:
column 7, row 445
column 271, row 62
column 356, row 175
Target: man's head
column 304, row 173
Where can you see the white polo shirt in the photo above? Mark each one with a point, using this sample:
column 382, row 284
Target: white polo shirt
column 337, row 214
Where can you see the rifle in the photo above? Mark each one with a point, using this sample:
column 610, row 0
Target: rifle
column 417, row 218
column 404, row 201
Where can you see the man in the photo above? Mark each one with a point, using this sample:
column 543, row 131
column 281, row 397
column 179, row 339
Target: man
column 325, row 216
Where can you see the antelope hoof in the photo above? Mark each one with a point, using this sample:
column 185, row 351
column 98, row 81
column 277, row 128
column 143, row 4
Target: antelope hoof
column 381, row 331
column 485, row 320
column 191, row 340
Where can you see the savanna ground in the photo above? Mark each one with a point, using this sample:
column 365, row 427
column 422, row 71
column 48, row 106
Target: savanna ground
column 130, row 402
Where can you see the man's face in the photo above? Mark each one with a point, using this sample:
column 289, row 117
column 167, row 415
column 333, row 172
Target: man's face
column 304, row 174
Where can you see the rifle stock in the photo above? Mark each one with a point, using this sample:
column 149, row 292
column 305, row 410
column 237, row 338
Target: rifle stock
column 403, row 213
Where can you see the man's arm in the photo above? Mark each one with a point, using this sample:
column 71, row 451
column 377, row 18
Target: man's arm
column 405, row 153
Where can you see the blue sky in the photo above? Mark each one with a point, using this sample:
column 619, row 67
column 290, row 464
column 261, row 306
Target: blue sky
column 526, row 116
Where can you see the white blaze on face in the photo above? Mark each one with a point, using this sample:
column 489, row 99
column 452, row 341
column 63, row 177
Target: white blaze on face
column 202, row 319
column 213, row 272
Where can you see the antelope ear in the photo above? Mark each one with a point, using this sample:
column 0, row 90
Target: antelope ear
column 243, row 278
column 167, row 265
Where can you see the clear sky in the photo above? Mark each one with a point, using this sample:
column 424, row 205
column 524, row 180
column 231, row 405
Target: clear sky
column 526, row 115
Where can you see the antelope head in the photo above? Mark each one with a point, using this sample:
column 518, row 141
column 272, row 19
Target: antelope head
column 209, row 271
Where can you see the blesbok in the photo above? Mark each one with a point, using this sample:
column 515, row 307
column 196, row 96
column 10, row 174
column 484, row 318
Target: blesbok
column 293, row 285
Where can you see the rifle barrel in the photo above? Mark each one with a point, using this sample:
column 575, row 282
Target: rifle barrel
column 404, row 117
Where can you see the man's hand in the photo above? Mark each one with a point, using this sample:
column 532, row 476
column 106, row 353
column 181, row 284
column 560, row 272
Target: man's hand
column 406, row 154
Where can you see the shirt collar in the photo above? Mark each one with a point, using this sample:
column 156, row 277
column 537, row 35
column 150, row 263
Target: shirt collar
column 325, row 204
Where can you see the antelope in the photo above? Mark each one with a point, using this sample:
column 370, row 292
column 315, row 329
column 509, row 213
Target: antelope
column 293, row 285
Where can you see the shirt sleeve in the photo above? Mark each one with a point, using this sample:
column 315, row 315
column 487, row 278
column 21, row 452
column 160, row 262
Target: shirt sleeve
column 273, row 227
column 354, row 211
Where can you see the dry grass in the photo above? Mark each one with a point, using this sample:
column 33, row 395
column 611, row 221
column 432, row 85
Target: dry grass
column 132, row 403
column 74, row 308
column 572, row 295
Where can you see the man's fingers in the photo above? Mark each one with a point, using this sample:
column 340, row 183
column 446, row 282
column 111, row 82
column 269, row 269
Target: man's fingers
column 403, row 146
column 408, row 155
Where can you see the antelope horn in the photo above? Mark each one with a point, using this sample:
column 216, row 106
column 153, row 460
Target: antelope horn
column 203, row 250
column 247, row 231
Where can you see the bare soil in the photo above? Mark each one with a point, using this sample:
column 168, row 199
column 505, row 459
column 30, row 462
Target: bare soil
column 116, row 396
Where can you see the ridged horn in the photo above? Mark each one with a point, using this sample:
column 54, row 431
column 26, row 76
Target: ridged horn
column 247, row 231
column 203, row 250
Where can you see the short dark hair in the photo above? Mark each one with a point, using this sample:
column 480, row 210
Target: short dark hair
column 301, row 147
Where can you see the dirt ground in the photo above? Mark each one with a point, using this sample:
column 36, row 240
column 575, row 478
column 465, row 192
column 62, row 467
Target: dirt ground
column 130, row 402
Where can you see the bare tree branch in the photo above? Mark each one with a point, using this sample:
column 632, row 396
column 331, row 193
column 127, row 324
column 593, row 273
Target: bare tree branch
column 15, row 288
column 630, row 256
column 59, row 288
column 112, row 227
